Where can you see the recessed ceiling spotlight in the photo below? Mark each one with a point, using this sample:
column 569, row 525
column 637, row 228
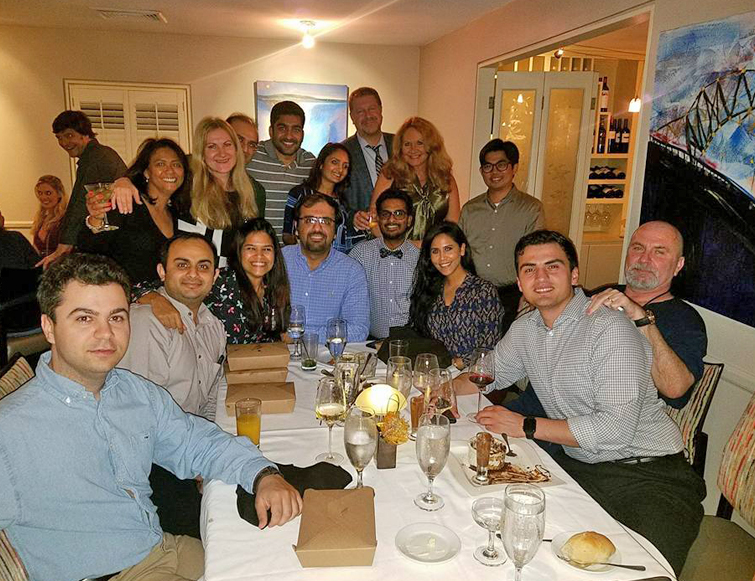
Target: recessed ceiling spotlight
column 307, row 41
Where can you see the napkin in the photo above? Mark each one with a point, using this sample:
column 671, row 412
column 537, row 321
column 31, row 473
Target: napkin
column 417, row 344
column 320, row 476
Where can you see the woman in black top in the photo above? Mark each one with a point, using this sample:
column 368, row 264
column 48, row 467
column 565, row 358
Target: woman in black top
column 158, row 173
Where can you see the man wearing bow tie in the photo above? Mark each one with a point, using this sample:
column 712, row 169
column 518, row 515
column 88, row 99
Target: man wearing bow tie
column 389, row 263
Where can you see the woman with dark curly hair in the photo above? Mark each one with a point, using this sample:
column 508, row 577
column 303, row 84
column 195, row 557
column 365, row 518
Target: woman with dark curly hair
column 449, row 301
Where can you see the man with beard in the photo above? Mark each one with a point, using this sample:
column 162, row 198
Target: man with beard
column 327, row 283
column 249, row 139
column 280, row 163
column 389, row 263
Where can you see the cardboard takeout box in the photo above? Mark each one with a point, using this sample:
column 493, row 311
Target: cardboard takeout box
column 257, row 356
column 272, row 375
column 277, row 398
column 337, row 528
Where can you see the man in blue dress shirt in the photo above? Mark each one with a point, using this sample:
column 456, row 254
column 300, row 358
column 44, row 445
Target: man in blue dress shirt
column 327, row 283
column 77, row 443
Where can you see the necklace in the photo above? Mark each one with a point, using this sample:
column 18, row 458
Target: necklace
column 654, row 298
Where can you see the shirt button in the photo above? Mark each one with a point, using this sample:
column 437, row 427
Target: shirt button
column 550, row 333
column 68, row 400
column 491, row 246
column 200, row 356
column 306, row 294
column 488, row 266
column 493, row 229
column 391, row 300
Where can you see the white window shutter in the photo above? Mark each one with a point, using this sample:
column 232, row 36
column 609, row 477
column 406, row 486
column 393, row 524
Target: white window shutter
column 105, row 109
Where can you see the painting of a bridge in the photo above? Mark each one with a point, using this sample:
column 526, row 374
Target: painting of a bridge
column 700, row 172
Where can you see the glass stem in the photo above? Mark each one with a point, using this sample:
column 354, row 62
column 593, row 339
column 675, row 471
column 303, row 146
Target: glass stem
column 429, row 489
column 491, row 544
column 479, row 401
column 330, row 440
column 297, row 348
column 359, row 479
column 517, row 573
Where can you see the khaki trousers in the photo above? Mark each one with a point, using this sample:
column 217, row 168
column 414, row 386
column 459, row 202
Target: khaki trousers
column 173, row 559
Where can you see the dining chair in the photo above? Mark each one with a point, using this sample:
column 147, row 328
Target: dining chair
column 691, row 417
column 724, row 551
column 19, row 313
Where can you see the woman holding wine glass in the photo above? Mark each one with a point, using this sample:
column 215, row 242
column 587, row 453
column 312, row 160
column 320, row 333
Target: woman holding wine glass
column 449, row 302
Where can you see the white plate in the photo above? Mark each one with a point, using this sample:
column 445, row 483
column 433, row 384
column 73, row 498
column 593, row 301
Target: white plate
column 560, row 539
column 428, row 543
column 525, row 458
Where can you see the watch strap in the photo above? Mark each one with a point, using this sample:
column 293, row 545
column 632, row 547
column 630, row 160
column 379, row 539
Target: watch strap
column 529, row 426
column 648, row 319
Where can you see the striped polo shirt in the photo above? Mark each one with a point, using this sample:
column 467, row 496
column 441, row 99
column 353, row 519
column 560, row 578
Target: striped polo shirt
column 277, row 178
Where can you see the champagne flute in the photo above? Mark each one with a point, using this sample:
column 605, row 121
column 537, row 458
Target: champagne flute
column 296, row 328
column 336, row 333
column 330, row 405
column 482, row 374
column 422, row 366
column 104, row 189
column 433, row 445
column 522, row 523
column 360, row 439
column 441, row 391
column 399, row 374
column 487, row 513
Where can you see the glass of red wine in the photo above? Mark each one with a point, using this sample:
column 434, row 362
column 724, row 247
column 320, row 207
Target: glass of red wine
column 482, row 374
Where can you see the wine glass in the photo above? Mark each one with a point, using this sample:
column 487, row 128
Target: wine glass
column 399, row 374
column 104, row 189
column 360, row 439
column 330, row 405
column 487, row 513
column 296, row 328
column 336, row 333
column 433, row 444
column 422, row 366
column 522, row 523
column 482, row 374
column 441, row 390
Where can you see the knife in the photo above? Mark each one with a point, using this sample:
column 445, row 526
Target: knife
column 658, row 578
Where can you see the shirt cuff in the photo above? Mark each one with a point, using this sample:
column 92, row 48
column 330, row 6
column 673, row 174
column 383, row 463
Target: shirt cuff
column 266, row 471
column 584, row 432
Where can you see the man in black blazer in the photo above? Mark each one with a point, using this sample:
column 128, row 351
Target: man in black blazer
column 366, row 111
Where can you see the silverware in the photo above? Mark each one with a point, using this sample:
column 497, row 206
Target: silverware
column 509, row 452
column 326, row 372
column 582, row 566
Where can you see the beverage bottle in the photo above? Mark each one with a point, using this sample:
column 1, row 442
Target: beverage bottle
column 604, row 92
column 612, row 137
column 601, row 138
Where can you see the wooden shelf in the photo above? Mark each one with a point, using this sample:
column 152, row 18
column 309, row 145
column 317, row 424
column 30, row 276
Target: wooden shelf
column 610, row 156
column 605, row 201
column 620, row 182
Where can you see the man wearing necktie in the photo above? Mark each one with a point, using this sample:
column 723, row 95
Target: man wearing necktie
column 389, row 263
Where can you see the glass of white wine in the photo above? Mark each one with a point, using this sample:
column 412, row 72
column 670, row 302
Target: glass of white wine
column 330, row 406
column 360, row 440
column 433, row 445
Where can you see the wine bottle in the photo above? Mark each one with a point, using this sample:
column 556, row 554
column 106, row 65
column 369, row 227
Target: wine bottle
column 612, row 143
column 601, row 138
column 604, row 91
column 625, row 137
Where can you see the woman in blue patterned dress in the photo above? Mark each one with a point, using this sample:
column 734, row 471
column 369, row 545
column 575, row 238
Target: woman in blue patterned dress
column 449, row 301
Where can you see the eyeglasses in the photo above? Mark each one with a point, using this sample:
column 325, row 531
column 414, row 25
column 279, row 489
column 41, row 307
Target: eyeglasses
column 312, row 220
column 398, row 214
column 500, row 166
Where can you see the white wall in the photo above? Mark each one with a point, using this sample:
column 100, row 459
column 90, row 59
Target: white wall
column 220, row 71
column 448, row 73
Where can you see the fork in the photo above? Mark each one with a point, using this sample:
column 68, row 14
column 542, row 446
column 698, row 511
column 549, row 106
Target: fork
column 583, row 565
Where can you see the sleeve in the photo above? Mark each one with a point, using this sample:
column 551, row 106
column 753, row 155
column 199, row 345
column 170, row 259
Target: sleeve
column 189, row 445
column 260, row 196
column 509, row 366
column 288, row 212
column 620, row 370
column 684, row 331
column 356, row 304
column 139, row 289
column 9, row 509
column 538, row 219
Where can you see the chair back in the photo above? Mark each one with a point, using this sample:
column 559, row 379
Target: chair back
column 14, row 375
column 691, row 417
column 736, row 477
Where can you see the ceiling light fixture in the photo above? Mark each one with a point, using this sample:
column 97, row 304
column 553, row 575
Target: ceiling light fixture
column 558, row 53
column 635, row 105
column 307, row 41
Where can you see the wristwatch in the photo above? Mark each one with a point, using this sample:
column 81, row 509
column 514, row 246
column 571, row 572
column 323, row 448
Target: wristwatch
column 648, row 319
column 530, row 425
column 267, row 471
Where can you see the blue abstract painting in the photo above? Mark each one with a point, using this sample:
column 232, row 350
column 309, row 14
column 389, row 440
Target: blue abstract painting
column 325, row 108
column 700, row 171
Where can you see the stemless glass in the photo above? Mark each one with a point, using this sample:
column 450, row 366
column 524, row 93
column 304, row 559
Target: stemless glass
column 330, row 405
column 441, row 390
column 433, row 445
column 487, row 512
column 522, row 523
column 360, row 439
column 423, row 364
column 399, row 374
column 482, row 374
column 336, row 333
column 296, row 328
column 104, row 189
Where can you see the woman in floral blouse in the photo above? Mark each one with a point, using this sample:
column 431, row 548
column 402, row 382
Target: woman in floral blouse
column 251, row 296
column 449, row 301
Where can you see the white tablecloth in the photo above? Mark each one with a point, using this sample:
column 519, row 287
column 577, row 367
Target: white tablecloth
column 236, row 550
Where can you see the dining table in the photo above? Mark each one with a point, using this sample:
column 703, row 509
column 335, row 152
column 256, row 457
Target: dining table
column 236, row 550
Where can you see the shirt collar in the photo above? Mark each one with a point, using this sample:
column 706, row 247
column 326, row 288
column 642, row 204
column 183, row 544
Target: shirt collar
column 305, row 264
column 271, row 152
column 384, row 149
column 88, row 149
column 63, row 388
column 574, row 310
column 512, row 194
column 185, row 311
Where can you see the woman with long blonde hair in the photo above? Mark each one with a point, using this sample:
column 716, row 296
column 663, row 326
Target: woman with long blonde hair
column 421, row 167
column 53, row 200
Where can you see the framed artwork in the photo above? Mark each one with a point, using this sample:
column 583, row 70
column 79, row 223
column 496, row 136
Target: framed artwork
column 325, row 108
column 700, row 172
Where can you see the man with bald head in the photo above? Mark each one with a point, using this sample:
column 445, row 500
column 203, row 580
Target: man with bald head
column 675, row 330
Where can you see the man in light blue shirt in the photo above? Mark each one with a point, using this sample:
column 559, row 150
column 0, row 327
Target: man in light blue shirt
column 326, row 282
column 77, row 443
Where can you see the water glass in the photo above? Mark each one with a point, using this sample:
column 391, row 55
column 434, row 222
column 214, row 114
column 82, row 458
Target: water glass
column 360, row 440
column 398, row 348
column 311, row 343
column 487, row 512
column 296, row 322
column 522, row 523
column 399, row 374
column 433, row 445
column 423, row 364
column 336, row 333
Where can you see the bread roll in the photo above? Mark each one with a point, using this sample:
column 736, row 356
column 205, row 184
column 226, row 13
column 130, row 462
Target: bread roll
column 588, row 548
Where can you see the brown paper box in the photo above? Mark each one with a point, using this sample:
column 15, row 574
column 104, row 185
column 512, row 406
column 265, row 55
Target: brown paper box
column 257, row 356
column 277, row 398
column 337, row 528
column 272, row 375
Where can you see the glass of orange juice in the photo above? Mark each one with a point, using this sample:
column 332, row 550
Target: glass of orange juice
column 248, row 416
